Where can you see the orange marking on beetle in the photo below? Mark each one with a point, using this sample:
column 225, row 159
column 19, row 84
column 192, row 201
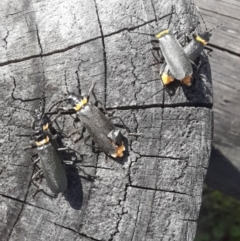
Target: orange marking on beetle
column 119, row 151
column 166, row 79
column 41, row 143
column 187, row 80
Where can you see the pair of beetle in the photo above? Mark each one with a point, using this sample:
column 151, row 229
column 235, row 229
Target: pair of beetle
column 178, row 60
column 100, row 128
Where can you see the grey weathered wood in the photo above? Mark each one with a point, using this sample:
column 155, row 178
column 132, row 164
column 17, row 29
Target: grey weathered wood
column 224, row 168
column 226, row 12
column 154, row 193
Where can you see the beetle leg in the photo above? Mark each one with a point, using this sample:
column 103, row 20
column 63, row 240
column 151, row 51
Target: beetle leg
column 85, row 142
column 62, row 149
column 87, row 174
column 36, row 174
column 182, row 39
column 35, row 163
column 33, row 145
column 209, row 50
column 66, row 109
column 82, row 170
column 91, row 89
column 40, row 189
column 117, row 117
column 125, row 127
column 105, row 157
column 159, row 57
column 102, row 106
column 93, row 146
column 74, row 132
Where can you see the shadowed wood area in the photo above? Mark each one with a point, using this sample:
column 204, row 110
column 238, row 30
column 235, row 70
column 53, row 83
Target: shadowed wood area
column 154, row 192
column 224, row 167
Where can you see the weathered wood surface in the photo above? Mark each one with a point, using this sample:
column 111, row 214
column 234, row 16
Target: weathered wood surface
column 154, row 193
column 224, row 168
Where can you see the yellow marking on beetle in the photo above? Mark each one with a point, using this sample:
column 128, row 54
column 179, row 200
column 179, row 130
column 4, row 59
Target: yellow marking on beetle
column 187, row 80
column 119, row 151
column 201, row 40
column 159, row 35
column 166, row 79
column 45, row 127
column 81, row 104
column 44, row 141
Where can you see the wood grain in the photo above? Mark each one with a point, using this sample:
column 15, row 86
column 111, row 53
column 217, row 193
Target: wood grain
column 154, row 192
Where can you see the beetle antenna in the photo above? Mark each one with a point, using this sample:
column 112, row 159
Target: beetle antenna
column 216, row 27
column 200, row 14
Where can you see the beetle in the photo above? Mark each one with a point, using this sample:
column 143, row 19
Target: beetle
column 178, row 65
column 51, row 162
column 198, row 42
column 192, row 50
column 48, row 149
column 178, row 59
column 100, row 128
column 48, row 153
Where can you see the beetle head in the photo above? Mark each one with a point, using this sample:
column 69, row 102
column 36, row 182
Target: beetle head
column 206, row 35
column 73, row 99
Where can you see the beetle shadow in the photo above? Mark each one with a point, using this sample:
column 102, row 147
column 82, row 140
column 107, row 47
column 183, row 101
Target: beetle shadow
column 201, row 89
column 172, row 88
column 74, row 192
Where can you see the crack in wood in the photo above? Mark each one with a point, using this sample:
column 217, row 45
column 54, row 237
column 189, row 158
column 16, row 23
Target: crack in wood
column 224, row 49
column 24, row 202
column 160, row 190
column 154, row 10
column 49, row 53
column 22, row 100
column 21, row 209
column 175, row 105
column 152, row 210
column 104, row 55
column 70, row 229
column 5, row 39
column 72, row 46
column 39, row 42
column 168, row 157
column 136, row 220
column 122, row 201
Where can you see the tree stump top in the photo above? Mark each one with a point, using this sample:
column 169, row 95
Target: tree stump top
column 154, row 192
